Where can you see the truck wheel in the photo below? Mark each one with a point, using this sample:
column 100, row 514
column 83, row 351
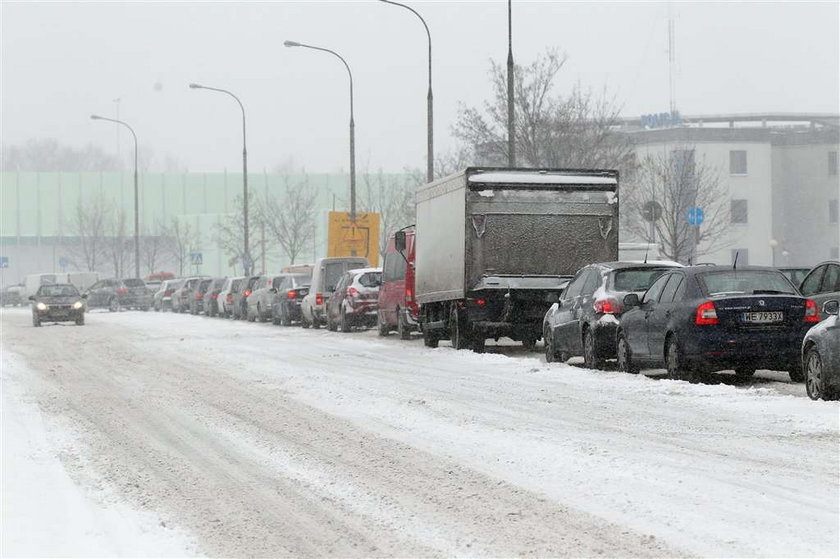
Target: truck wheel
column 478, row 344
column 429, row 338
column 796, row 373
column 529, row 344
column 381, row 326
column 402, row 328
column 457, row 329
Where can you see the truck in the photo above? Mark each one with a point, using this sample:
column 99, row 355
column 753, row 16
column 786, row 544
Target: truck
column 496, row 246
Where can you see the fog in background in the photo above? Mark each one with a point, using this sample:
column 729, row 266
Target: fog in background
column 63, row 61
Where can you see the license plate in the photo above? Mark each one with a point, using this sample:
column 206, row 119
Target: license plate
column 763, row 317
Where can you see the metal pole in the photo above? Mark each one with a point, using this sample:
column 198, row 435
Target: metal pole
column 510, row 104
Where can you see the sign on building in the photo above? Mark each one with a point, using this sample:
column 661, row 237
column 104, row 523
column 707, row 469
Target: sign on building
column 4, row 261
column 359, row 238
column 196, row 258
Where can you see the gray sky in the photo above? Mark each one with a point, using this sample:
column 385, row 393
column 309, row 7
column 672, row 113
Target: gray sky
column 63, row 61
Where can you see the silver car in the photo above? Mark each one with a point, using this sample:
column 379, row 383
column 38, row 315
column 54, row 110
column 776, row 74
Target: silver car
column 821, row 355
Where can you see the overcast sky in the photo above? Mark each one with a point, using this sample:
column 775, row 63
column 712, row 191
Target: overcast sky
column 63, row 61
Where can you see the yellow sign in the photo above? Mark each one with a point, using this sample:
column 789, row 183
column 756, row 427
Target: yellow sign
column 347, row 238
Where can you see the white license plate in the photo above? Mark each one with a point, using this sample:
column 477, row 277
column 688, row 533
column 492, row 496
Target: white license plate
column 763, row 317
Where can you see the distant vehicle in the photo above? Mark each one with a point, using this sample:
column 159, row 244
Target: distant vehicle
column 301, row 269
column 795, row 275
column 398, row 309
column 211, row 296
column 495, row 246
column 225, row 298
column 116, row 294
column 325, row 277
column 355, row 300
column 33, row 282
column 638, row 252
column 240, row 297
column 285, row 307
column 183, row 295
column 585, row 319
column 12, row 295
column 162, row 299
column 58, row 302
column 262, row 297
column 197, row 298
column 82, row 280
column 711, row 318
column 821, row 355
column 822, row 283
column 153, row 287
column 160, row 276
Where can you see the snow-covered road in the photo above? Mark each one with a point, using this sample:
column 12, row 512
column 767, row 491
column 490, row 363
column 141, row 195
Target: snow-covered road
column 243, row 439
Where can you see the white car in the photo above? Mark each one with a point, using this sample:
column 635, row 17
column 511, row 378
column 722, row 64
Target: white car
column 225, row 300
column 325, row 277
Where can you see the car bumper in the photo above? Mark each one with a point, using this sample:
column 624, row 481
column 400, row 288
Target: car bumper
column 60, row 315
column 136, row 301
column 760, row 350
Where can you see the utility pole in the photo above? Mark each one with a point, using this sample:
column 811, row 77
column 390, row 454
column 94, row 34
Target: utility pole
column 510, row 101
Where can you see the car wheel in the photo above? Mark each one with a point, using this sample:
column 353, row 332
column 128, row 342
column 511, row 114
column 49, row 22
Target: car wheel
column 36, row 322
column 815, row 384
column 402, row 326
column 285, row 319
column 303, row 322
column 796, row 373
column 113, row 305
column 529, row 344
column 677, row 369
column 315, row 323
column 548, row 341
column 429, row 338
column 744, row 372
column 381, row 326
column 625, row 358
column 478, row 344
column 343, row 321
column 590, row 357
column 456, row 328
column 331, row 326
column 80, row 321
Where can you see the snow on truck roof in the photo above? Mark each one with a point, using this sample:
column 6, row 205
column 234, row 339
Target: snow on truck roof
column 512, row 177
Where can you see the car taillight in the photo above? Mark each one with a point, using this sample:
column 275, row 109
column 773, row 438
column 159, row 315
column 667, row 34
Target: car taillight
column 706, row 315
column 606, row 306
column 246, row 292
column 167, row 293
column 291, row 294
column 812, row 314
column 214, row 295
column 319, row 298
column 480, row 302
column 199, row 295
column 409, row 294
column 352, row 291
column 122, row 291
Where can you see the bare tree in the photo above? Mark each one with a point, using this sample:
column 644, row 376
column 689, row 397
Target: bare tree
column 392, row 197
column 153, row 247
column 451, row 161
column 576, row 131
column 119, row 245
column 89, row 225
column 229, row 232
column 180, row 240
column 677, row 182
column 289, row 218
column 49, row 155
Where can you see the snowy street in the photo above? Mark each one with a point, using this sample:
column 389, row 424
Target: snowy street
column 164, row 434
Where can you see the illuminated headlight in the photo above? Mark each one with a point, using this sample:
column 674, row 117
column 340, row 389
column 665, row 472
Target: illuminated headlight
column 41, row 307
column 77, row 305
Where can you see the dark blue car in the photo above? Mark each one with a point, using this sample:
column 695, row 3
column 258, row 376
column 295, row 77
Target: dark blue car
column 703, row 319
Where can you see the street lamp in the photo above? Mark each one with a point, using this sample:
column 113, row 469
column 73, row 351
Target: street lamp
column 247, row 262
column 352, row 124
column 773, row 245
column 430, row 152
column 136, row 195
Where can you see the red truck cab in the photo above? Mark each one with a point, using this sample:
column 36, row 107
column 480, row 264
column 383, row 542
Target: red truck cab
column 398, row 309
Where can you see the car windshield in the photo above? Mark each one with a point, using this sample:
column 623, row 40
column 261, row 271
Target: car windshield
column 796, row 275
column 745, row 282
column 636, row 279
column 58, row 291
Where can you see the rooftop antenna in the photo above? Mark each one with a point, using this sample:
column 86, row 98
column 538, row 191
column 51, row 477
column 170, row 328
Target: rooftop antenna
column 735, row 262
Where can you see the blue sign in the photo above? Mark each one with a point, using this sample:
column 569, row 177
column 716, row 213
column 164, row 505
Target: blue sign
column 4, row 261
column 695, row 216
column 661, row 120
column 196, row 258
column 63, row 262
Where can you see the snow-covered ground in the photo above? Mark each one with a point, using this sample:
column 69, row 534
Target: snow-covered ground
column 171, row 434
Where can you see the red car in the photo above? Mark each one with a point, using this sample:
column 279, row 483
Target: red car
column 354, row 301
column 398, row 310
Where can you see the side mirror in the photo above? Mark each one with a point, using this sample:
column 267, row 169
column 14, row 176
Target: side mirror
column 831, row 307
column 631, row 300
column 31, row 297
column 399, row 241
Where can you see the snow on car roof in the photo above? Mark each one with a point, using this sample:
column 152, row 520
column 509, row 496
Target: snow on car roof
column 511, row 177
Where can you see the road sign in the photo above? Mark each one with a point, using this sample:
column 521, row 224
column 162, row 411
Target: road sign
column 695, row 216
column 359, row 238
column 652, row 211
column 196, row 258
column 4, row 261
column 63, row 262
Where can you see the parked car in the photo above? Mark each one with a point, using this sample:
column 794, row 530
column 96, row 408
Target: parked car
column 11, row 295
column 285, row 308
column 162, row 299
column 585, row 319
column 355, row 300
column 711, row 318
column 153, row 287
column 58, row 302
column 262, row 297
column 211, row 296
column 398, row 309
column 822, row 283
column 197, row 299
column 225, row 297
column 325, row 277
column 821, row 355
column 795, row 275
column 240, row 297
column 115, row 294
column 182, row 296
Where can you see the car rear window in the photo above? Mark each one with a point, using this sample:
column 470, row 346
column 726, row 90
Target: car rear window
column 58, row 291
column 371, row 279
column 636, row 279
column 745, row 282
column 134, row 282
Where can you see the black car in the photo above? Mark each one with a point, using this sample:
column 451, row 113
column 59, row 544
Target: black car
column 58, row 302
column 285, row 308
column 712, row 318
column 585, row 319
column 115, row 294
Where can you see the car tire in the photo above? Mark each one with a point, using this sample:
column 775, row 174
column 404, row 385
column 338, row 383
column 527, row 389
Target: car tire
column 815, row 384
column 331, row 326
column 457, row 335
column 548, row 342
column 402, row 326
column 744, row 372
column 80, row 321
column 343, row 322
column 381, row 326
column 113, row 304
column 303, row 322
column 625, row 356
column 529, row 344
column 590, row 357
column 36, row 322
column 430, row 339
column 285, row 319
column 315, row 324
column 674, row 362
column 796, row 373
column 478, row 344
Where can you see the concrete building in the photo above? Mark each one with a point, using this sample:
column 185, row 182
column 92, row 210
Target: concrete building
column 779, row 172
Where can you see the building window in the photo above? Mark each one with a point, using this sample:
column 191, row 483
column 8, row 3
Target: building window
column 738, row 211
column 832, row 163
column 743, row 256
column 832, row 211
column 738, row 162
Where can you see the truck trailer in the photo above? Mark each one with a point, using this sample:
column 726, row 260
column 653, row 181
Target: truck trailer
column 496, row 246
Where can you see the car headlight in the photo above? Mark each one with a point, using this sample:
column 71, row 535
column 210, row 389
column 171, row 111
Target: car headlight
column 77, row 305
column 41, row 306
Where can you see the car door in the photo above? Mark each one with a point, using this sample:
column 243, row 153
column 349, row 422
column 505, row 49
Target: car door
column 566, row 325
column 829, row 287
column 648, row 307
column 812, row 282
column 659, row 317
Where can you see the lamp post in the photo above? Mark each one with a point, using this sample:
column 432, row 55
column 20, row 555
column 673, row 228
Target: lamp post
column 430, row 152
column 510, row 105
column 352, row 124
column 247, row 263
column 136, row 194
